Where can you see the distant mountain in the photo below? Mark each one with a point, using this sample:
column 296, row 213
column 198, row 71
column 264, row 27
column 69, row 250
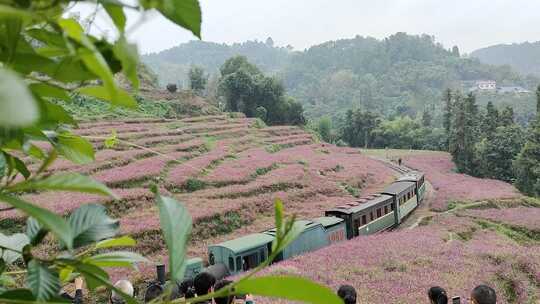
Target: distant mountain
column 523, row 57
column 173, row 64
column 401, row 74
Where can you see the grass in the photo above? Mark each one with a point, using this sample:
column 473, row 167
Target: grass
column 273, row 148
column 264, row 170
column 261, row 190
column 520, row 235
column 353, row 191
column 194, row 184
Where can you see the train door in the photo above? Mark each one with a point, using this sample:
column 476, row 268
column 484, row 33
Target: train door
column 250, row 261
column 356, row 225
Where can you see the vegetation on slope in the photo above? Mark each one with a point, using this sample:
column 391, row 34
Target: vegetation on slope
column 523, row 57
column 401, row 74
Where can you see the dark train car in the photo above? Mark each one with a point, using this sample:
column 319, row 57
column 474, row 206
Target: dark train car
column 417, row 178
column 367, row 215
column 404, row 196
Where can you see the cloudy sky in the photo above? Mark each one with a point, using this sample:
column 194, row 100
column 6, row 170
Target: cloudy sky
column 470, row 24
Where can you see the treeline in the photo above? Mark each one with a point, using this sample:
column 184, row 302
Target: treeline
column 490, row 144
column 366, row 129
column 399, row 75
column 243, row 87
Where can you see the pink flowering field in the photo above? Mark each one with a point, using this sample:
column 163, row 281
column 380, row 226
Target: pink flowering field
column 228, row 172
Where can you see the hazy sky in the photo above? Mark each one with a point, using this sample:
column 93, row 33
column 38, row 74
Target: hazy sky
column 470, row 24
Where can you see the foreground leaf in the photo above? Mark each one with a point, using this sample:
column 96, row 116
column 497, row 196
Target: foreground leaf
column 116, row 12
column 42, row 281
column 16, row 242
column 74, row 148
column 65, row 182
column 290, row 288
column 48, row 219
column 186, row 13
column 125, row 241
column 116, row 259
column 120, row 98
column 17, row 105
column 90, row 223
column 127, row 54
column 34, row 231
column 175, row 224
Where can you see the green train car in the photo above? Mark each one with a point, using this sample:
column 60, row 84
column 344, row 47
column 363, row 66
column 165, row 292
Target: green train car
column 248, row 252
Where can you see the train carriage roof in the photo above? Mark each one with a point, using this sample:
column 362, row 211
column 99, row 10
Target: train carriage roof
column 398, row 187
column 247, row 242
column 411, row 177
column 328, row 221
column 362, row 204
column 304, row 225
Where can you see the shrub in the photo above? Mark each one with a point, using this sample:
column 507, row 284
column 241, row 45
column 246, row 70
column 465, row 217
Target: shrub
column 172, row 88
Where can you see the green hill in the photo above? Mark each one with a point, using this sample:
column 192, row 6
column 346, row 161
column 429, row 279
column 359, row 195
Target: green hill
column 401, row 74
column 523, row 57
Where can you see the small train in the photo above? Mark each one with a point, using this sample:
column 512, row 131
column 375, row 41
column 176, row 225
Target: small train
column 364, row 216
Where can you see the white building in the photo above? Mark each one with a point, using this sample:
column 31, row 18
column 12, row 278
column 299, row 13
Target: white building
column 486, row 85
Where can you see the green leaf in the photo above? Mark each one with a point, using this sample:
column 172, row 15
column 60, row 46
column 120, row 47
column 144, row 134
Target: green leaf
column 3, row 164
column 34, row 151
column 111, row 141
column 90, row 223
column 117, row 15
column 125, row 241
column 186, row 13
column 65, row 274
column 49, row 220
column 75, row 182
column 16, row 242
column 127, row 54
column 21, row 167
column 42, row 281
column 10, row 11
column 290, row 288
column 17, row 105
column 49, row 91
column 74, row 148
column 175, row 224
column 17, row 294
column 2, row 265
column 54, row 114
column 121, row 98
column 34, row 231
column 116, row 259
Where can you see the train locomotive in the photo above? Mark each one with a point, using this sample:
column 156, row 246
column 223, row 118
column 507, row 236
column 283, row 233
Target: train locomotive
column 367, row 215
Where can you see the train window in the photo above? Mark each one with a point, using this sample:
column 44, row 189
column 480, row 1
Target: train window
column 392, row 206
column 263, row 255
column 238, row 263
column 231, row 263
column 364, row 219
column 371, row 216
column 385, row 209
column 379, row 213
column 211, row 259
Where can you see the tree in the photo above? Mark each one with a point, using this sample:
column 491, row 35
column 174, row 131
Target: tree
column 527, row 163
column 455, row 51
column 538, row 99
column 507, row 116
column 494, row 154
column 245, row 88
column 490, row 120
column 324, row 128
column 269, row 42
column 447, row 114
column 426, row 118
column 197, row 79
column 358, row 128
column 464, row 132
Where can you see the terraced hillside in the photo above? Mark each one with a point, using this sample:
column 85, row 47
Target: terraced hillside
column 468, row 231
column 227, row 171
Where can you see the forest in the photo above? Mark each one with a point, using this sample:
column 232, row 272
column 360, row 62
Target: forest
column 399, row 75
column 523, row 57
